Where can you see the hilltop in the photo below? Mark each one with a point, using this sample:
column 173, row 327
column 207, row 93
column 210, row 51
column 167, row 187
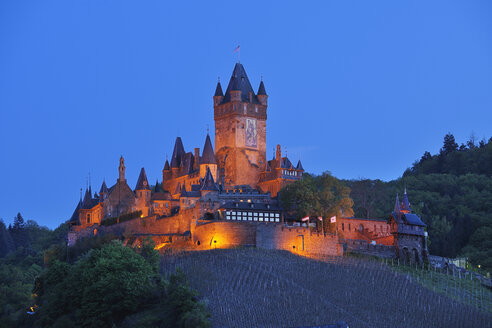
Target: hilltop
column 270, row 288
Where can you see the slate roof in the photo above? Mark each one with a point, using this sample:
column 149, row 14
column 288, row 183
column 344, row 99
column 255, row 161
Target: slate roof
column 177, row 153
column 405, row 204
column 218, row 90
column 413, row 219
column 239, row 81
column 251, row 206
column 261, row 89
column 75, row 216
column 142, row 182
column 157, row 187
column 208, row 156
column 397, row 205
column 162, row 195
column 166, row 165
column 208, row 182
column 299, row 166
column 285, row 163
column 104, row 188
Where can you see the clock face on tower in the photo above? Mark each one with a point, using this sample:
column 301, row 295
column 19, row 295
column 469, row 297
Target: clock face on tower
column 251, row 133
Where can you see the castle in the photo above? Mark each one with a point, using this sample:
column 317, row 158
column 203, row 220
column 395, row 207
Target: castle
column 229, row 197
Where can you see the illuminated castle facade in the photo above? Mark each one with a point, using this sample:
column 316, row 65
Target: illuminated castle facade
column 239, row 164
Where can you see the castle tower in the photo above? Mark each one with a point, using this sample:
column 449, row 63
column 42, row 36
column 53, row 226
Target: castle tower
column 208, row 160
column 143, row 193
column 121, row 170
column 240, row 130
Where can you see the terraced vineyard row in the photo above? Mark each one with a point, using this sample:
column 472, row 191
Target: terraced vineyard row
column 260, row 288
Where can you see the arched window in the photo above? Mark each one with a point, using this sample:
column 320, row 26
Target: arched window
column 361, row 228
column 88, row 218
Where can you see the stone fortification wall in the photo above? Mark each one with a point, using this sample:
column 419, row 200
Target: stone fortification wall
column 224, row 234
column 177, row 224
column 298, row 240
column 363, row 247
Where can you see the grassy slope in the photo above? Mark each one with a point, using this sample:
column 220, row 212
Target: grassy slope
column 260, row 288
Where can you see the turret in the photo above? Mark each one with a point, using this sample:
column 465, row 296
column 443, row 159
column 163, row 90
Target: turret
column 103, row 192
column 208, row 160
column 178, row 152
column 166, row 172
column 279, row 153
column 262, row 95
column 219, row 95
column 405, row 204
column 143, row 192
column 121, row 170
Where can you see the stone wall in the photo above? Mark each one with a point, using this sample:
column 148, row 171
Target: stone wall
column 363, row 247
column 223, row 234
column 177, row 224
column 377, row 230
column 298, row 240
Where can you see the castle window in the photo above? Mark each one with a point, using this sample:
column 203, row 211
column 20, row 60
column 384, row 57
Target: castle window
column 349, row 227
column 256, row 109
column 88, row 218
column 343, row 227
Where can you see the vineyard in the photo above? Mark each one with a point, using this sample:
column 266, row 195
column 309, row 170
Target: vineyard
column 268, row 288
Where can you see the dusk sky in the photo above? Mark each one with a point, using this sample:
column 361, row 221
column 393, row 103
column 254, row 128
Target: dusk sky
column 359, row 88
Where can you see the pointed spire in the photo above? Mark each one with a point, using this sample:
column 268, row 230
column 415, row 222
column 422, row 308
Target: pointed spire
column 177, row 152
column 239, row 82
column 166, row 166
column 87, row 199
column 397, row 205
column 299, row 166
column 208, row 156
column 183, row 190
column 208, row 182
column 142, row 183
column 261, row 89
column 157, row 187
column 218, row 90
column 104, row 188
column 405, row 204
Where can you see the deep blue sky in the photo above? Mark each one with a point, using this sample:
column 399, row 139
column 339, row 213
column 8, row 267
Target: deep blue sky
column 359, row 88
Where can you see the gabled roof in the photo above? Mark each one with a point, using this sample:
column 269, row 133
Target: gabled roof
column 261, row 89
column 142, row 183
column 177, row 153
column 166, row 166
column 208, row 156
column 104, row 188
column 239, row 81
column 164, row 195
column 208, row 182
column 218, row 90
column 299, row 166
column 285, row 163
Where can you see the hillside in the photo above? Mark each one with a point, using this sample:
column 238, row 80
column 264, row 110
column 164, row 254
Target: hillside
column 451, row 191
column 260, row 288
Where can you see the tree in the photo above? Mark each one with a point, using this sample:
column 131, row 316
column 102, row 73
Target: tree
column 322, row 195
column 449, row 144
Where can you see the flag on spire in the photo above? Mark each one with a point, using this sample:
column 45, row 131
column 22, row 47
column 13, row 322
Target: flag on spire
column 237, row 49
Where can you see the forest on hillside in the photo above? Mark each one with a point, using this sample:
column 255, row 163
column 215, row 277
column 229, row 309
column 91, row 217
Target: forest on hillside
column 96, row 283
column 450, row 190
